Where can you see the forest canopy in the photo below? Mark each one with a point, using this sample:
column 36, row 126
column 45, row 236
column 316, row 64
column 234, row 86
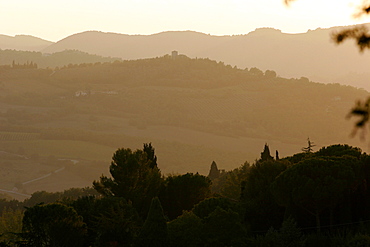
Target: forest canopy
column 309, row 199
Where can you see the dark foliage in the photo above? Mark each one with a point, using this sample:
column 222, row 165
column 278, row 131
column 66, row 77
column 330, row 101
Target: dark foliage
column 207, row 206
column 186, row 231
column 53, row 225
column 214, row 172
column 109, row 220
column 325, row 190
column 135, row 177
column 224, row 228
column 265, row 155
column 182, row 192
column 261, row 211
column 154, row 231
column 362, row 111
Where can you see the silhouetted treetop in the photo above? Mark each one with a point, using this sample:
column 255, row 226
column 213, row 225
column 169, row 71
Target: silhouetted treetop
column 265, row 155
column 134, row 177
column 309, row 147
column 149, row 150
column 339, row 150
column 214, row 172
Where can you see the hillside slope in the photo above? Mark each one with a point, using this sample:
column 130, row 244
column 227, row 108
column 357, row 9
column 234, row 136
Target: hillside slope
column 193, row 111
column 310, row 54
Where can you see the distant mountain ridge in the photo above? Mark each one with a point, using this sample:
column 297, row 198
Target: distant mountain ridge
column 23, row 43
column 310, row 54
column 131, row 47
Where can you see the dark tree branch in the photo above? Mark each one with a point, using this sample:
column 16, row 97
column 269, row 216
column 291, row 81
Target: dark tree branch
column 360, row 34
column 363, row 9
column 361, row 110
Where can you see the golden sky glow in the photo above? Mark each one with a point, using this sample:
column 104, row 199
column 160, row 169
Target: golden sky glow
column 53, row 20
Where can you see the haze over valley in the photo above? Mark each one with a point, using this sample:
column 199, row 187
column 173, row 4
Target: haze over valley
column 68, row 110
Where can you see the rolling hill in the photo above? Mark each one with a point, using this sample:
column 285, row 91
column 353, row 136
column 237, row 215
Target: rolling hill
column 309, row 54
column 193, row 111
column 23, row 43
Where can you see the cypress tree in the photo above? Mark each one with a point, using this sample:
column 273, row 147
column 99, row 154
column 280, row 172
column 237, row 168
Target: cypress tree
column 149, row 150
column 265, row 155
column 154, row 231
column 213, row 172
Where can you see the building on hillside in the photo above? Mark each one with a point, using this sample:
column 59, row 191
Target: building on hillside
column 174, row 54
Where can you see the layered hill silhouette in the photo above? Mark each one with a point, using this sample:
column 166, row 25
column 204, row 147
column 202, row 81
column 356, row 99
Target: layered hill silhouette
column 130, row 47
column 54, row 60
column 311, row 54
column 23, row 43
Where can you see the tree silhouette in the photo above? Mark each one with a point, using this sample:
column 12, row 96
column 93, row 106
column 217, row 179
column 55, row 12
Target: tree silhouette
column 53, row 224
column 265, row 155
column 186, row 230
column 149, row 150
column 109, row 220
column 135, row 177
column 231, row 187
column 214, row 172
column 182, row 192
column 224, row 228
column 314, row 185
column 309, row 147
column 361, row 110
column 154, row 232
column 260, row 209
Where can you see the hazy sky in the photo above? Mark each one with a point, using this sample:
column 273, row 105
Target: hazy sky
column 53, row 19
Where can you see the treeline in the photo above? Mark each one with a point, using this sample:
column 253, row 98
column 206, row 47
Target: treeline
column 58, row 59
column 182, row 71
column 308, row 199
column 26, row 65
column 83, row 68
column 163, row 71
